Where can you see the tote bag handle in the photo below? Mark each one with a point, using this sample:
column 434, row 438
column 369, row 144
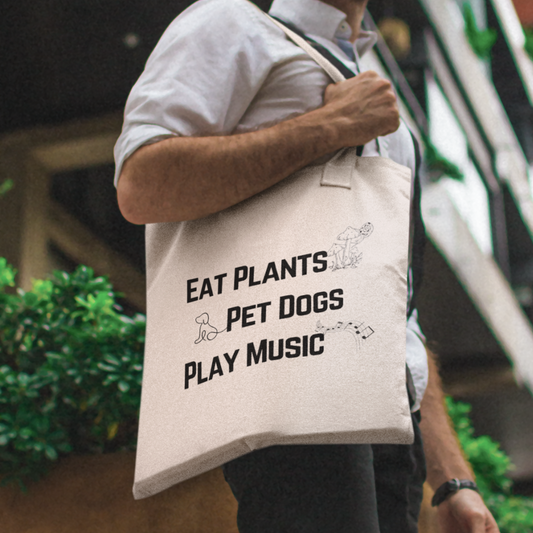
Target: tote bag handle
column 324, row 58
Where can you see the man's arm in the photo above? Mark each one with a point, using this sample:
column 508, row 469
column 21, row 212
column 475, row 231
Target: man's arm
column 465, row 511
column 185, row 178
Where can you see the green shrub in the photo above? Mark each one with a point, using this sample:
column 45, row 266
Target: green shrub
column 514, row 514
column 70, row 371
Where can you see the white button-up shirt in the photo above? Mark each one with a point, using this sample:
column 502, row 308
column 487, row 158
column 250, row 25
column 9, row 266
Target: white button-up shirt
column 223, row 68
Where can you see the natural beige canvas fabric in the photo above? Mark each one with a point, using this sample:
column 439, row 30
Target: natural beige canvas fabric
column 280, row 320
column 332, row 262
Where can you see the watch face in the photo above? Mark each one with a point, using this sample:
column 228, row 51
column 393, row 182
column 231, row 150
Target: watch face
column 445, row 490
column 453, row 485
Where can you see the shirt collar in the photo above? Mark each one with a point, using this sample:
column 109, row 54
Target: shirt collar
column 365, row 42
column 317, row 18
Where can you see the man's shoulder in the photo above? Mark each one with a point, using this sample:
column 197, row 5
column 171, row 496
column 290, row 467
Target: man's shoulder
column 218, row 27
column 204, row 15
column 219, row 8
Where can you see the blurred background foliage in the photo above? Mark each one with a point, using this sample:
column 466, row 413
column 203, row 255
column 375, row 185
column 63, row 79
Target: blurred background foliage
column 481, row 40
column 514, row 514
column 70, row 371
column 529, row 42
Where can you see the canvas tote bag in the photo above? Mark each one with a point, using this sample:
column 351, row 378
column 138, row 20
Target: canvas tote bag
column 281, row 320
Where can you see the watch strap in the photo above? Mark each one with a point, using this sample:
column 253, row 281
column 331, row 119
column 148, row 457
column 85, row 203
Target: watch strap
column 451, row 487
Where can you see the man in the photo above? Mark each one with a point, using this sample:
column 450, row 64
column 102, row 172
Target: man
column 226, row 108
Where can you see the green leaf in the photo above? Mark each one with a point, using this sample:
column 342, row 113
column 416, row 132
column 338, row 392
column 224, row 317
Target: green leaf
column 7, row 274
column 102, row 299
column 42, row 288
column 112, row 360
column 481, row 41
column 528, row 46
column 6, row 186
column 23, row 379
column 106, row 368
column 26, row 433
column 30, row 299
column 50, row 452
column 123, row 386
column 112, row 430
column 439, row 166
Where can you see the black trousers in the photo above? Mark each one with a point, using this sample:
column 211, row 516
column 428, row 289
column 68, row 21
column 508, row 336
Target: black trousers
column 356, row 488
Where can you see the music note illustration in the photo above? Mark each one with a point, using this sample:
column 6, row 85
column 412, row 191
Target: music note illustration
column 356, row 328
column 320, row 328
column 367, row 332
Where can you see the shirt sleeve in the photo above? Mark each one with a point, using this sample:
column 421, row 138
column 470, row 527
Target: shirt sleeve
column 417, row 358
column 201, row 77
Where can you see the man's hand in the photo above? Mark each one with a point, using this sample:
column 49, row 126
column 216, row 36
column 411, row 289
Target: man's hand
column 465, row 512
column 362, row 108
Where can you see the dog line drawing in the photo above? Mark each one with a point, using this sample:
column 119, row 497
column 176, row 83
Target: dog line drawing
column 207, row 331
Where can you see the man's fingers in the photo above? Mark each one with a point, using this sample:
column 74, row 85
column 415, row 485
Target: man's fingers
column 476, row 523
column 465, row 512
column 492, row 526
column 365, row 107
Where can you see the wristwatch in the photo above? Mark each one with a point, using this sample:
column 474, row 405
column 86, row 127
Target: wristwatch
column 451, row 487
